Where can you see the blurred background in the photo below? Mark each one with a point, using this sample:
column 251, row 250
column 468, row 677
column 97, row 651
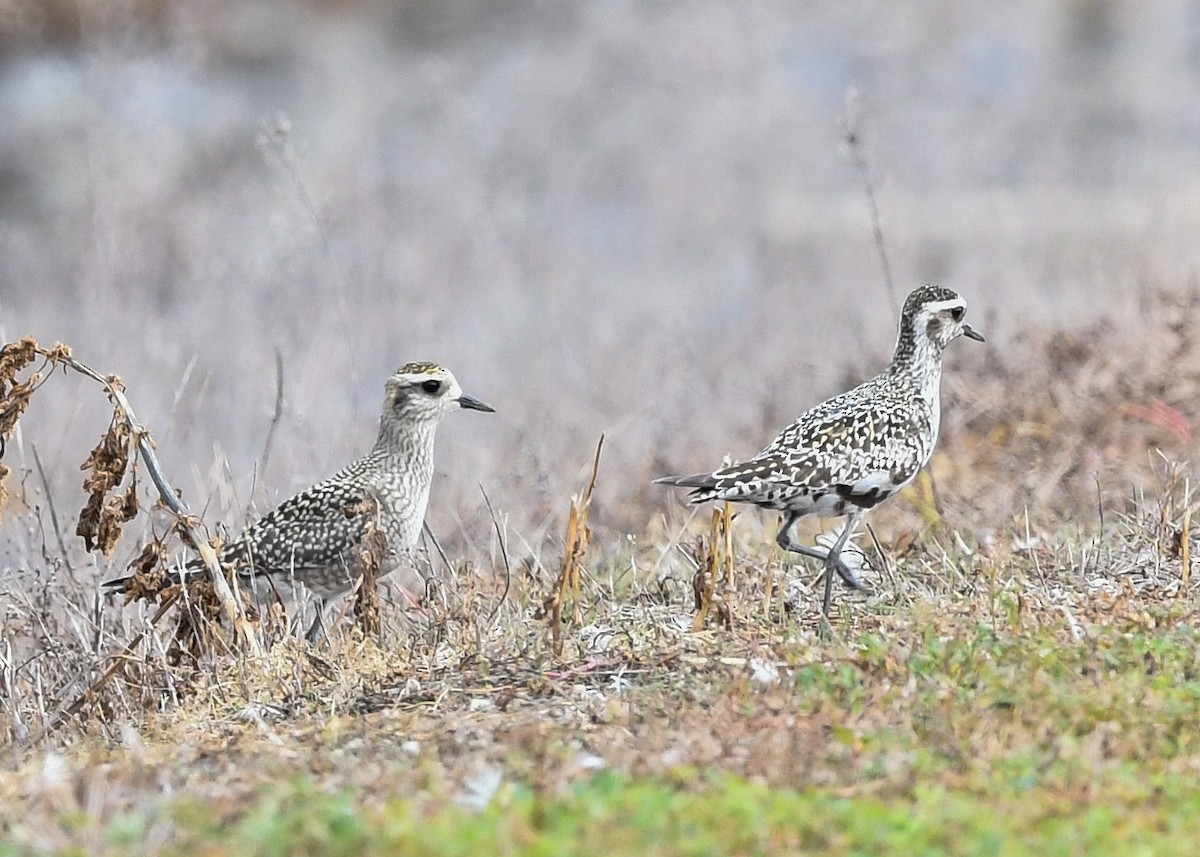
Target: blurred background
column 630, row 218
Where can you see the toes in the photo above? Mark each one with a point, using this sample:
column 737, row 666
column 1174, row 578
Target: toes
column 848, row 577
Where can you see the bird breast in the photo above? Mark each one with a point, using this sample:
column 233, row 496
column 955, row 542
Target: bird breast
column 403, row 498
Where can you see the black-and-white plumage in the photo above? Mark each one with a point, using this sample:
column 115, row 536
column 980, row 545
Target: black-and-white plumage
column 852, row 452
column 314, row 538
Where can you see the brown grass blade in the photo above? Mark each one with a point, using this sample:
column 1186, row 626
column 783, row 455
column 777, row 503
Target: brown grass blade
column 716, row 564
column 577, row 539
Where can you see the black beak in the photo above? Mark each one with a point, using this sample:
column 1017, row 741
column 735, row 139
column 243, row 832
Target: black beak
column 472, row 404
column 971, row 333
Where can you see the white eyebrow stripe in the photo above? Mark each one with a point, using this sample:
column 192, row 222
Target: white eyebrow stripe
column 938, row 306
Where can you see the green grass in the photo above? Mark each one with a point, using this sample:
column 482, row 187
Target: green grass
column 612, row 815
column 956, row 739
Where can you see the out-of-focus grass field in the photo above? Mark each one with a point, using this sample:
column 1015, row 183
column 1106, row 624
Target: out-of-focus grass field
column 641, row 221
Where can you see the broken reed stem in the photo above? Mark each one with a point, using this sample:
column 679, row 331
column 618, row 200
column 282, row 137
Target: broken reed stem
column 729, row 596
column 574, row 548
column 372, row 552
column 188, row 523
column 587, row 533
column 926, row 498
column 716, row 562
column 578, row 536
column 1164, row 517
column 706, row 571
column 192, row 525
column 1185, row 549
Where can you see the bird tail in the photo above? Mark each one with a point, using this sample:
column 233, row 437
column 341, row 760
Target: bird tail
column 704, row 486
column 172, row 578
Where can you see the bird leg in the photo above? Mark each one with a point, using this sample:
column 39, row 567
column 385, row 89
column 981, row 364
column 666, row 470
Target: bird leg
column 835, row 561
column 832, row 557
column 317, row 629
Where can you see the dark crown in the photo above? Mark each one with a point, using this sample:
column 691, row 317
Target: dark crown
column 923, row 295
column 419, row 369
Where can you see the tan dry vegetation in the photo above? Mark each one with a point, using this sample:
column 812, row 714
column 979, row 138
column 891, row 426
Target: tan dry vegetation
column 1064, row 419
column 444, row 714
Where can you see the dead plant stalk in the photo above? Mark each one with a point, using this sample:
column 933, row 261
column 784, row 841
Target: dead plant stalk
column 194, row 528
column 716, row 561
column 578, row 536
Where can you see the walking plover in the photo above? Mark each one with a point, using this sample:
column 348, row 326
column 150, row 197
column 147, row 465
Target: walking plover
column 850, row 453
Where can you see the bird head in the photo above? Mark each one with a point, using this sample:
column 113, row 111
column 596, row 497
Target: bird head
column 936, row 314
column 425, row 392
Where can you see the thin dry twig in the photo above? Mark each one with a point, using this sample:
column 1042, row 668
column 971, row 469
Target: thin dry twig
column 503, row 553
column 269, row 441
column 850, row 125
column 62, row 546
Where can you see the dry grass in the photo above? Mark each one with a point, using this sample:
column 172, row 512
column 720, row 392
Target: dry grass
column 967, row 662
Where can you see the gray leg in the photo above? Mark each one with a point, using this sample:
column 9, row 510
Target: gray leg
column 835, row 561
column 831, row 558
column 317, row 629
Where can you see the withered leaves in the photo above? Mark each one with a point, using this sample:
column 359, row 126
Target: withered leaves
column 371, row 553
column 101, row 518
column 15, row 356
column 14, row 396
column 146, row 572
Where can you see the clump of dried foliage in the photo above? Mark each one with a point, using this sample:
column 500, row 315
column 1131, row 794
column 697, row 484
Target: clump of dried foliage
column 111, row 464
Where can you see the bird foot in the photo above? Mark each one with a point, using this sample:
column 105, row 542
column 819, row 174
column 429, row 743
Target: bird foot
column 848, row 577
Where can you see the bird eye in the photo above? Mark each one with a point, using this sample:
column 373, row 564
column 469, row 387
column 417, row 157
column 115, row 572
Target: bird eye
column 431, row 386
column 957, row 313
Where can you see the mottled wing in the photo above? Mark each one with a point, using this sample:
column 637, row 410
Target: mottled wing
column 312, row 536
column 862, row 451
column 316, row 530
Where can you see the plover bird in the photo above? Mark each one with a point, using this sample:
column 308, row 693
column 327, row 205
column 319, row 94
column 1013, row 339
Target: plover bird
column 314, row 538
column 850, row 453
